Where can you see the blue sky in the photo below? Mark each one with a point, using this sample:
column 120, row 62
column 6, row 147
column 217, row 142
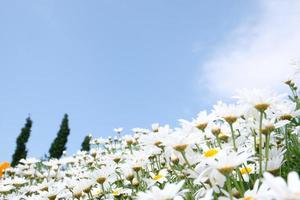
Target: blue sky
column 108, row 63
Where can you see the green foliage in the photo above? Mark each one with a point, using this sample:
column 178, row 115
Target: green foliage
column 85, row 146
column 21, row 151
column 58, row 146
column 294, row 89
column 292, row 161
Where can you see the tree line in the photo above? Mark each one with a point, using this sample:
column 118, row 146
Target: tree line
column 58, row 146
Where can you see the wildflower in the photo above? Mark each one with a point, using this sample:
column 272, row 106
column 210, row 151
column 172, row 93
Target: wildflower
column 160, row 177
column 203, row 194
column 261, row 100
column 226, row 161
column 286, row 110
column 229, row 112
column 246, row 170
column 259, row 191
column 209, row 151
column 275, row 160
column 103, row 174
column 118, row 130
column 3, row 167
column 155, row 127
column 202, row 120
column 170, row 191
column 6, row 188
column 120, row 191
column 281, row 189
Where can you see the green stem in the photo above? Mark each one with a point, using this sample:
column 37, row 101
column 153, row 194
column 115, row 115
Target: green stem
column 103, row 190
column 174, row 171
column 198, row 148
column 242, row 188
column 254, row 142
column 138, row 177
column 267, row 150
column 260, row 145
column 228, row 185
column 233, row 137
column 286, row 145
column 218, row 141
column 90, row 195
column 207, row 142
column 186, row 160
column 156, row 162
column 130, row 148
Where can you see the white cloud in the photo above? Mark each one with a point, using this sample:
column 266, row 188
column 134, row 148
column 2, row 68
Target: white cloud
column 259, row 53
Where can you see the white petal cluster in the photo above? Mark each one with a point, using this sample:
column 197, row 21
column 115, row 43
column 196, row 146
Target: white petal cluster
column 237, row 151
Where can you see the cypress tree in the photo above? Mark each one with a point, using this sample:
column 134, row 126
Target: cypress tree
column 21, row 151
column 85, row 145
column 58, row 146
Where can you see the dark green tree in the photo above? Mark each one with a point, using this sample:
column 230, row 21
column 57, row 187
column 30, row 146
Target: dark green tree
column 58, row 146
column 85, row 145
column 22, row 139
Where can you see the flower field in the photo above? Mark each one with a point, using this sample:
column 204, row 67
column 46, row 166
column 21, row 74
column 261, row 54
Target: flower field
column 247, row 150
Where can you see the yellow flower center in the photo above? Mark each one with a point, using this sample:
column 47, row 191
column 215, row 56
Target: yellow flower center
column 201, row 126
column 286, row 117
column 52, row 197
column 101, row 180
column 157, row 177
column 157, row 143
column 248, row 198
column 262, row 106
column 246, row 170
column 227, row 169
column 223, row 136
column 115, row 193
column 230, row 119
column 210, row 153
column 180, row 147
